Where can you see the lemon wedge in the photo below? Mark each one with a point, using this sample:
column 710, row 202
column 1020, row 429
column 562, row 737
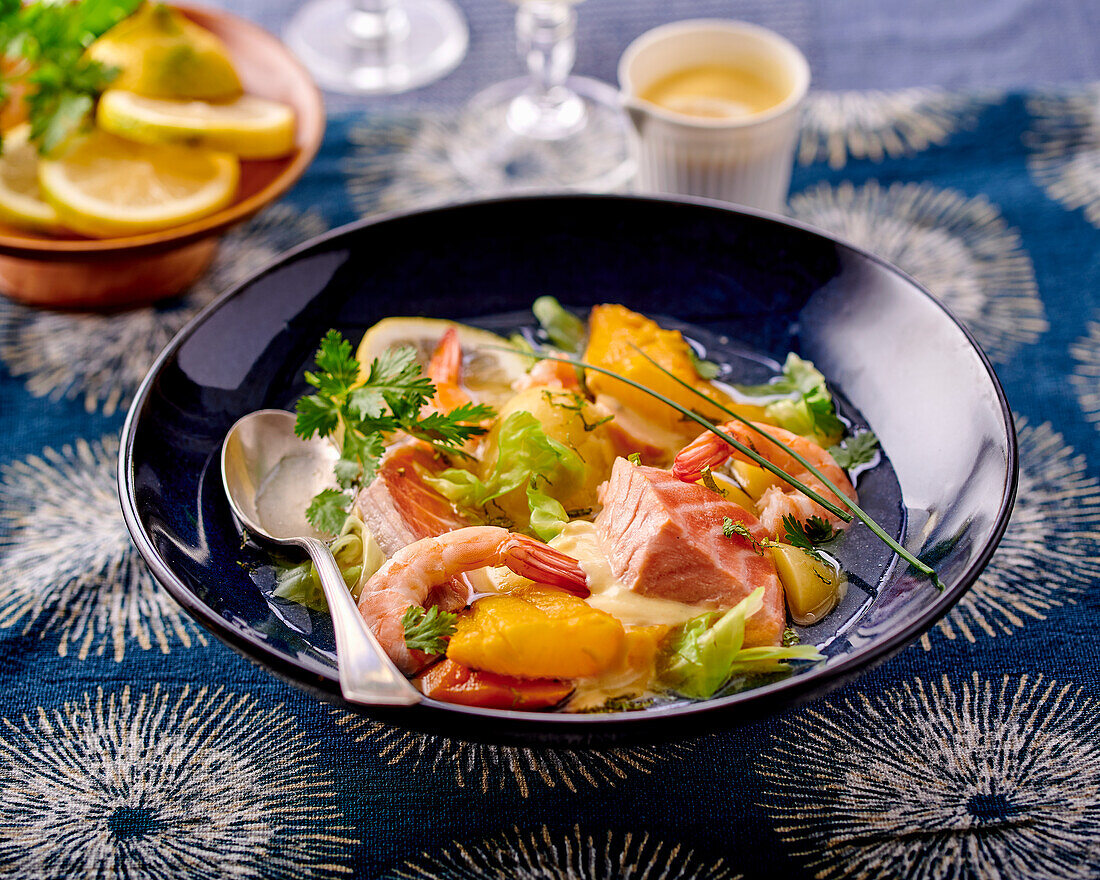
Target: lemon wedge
column 105, row 186
column 21, row 202
column 250, row 127
column 162, row 54
column 487, row 372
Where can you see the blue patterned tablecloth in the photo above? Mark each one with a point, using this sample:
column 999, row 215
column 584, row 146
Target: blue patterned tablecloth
column 134, row 745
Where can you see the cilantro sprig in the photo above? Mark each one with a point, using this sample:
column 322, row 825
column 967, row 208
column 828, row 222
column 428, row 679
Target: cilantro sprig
column 856, row 450
column 428, row 631
column 809, row 535
column 360, row 415
column 43, row 45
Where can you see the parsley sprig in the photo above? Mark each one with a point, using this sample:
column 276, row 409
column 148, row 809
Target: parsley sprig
column 428, row 631
column 43, row 45
column 359, row 416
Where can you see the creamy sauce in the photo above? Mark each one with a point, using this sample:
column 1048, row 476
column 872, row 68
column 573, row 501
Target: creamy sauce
column 286, row 491
column 714, row 91
column 578, row 539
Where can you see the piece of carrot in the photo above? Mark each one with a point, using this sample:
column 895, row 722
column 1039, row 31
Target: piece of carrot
column 451, row 682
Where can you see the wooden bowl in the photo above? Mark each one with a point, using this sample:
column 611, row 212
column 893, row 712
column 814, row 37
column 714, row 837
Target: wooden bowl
column 69, row 271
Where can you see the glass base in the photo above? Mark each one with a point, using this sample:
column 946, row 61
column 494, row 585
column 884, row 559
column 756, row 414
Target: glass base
column 353, row 52
column 504, row 141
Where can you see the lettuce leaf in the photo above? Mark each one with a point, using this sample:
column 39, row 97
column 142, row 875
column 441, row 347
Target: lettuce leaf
column 564, row 329
column 548, row 516
column 526, row 456
column 357, row 554
column 811, row 411
column 706, row 651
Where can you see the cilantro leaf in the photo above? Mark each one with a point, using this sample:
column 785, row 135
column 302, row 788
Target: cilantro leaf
column 44, row 44
column 856, row 450
column 361, row 413
column 428, row 631
column 809, row 535
column 328, row 510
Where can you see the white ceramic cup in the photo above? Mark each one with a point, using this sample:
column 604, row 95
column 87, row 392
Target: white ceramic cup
column 746, row 160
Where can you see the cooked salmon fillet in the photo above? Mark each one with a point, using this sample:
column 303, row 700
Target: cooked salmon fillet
column 664, row 539
column 398, row 507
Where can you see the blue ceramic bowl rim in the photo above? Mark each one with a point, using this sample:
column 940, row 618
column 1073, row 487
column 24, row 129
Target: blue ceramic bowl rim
column 787, row 691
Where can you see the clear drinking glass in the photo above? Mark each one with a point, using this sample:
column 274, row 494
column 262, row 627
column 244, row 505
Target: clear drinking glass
column 548, row 129
column 377, row 46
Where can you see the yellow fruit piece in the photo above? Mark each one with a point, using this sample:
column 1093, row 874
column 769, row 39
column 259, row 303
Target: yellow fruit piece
column 487, row 372
column 105, row 186
column 540, row 632
column 812, row 587
column 615, row 332
column 754, row 479
column 161, row 54
column 249, row 127
column 733, row 492
column 21, row 202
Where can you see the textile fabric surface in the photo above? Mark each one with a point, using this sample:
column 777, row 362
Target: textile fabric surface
column 133, row 744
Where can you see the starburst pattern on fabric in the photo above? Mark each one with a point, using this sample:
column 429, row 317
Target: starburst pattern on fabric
column 201, row 785
column 1086, row 374
column 987, row 778
column 1064, row 145
column 490, row 767
column 100, row 359
column 874, row 125
column 960, row 247
column 67, row 565
column 399, row 163
column 551, row 855
column 1050, row 553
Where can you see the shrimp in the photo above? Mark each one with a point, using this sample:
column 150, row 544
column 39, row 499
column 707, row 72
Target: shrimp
column 708, row 450
column 550, row 374
column 410, row 576
column 445, row 371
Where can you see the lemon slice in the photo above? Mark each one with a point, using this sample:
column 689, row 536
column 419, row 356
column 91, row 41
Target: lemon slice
column 160, row 53
column 487, row 373
column 104, row 185
column 21, row 202
column 250, row 127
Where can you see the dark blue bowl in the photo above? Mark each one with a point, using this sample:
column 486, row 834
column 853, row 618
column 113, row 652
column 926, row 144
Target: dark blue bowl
column 755, row 286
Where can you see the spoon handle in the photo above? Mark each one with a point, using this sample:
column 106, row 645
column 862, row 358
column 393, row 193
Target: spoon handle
column 367, row 675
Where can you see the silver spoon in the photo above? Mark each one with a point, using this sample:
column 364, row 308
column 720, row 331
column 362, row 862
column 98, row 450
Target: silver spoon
column 269, row 475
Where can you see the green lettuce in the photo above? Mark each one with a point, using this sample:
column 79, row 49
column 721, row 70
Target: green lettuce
column 564, row 329
column 706, row 652
column 526, row 456
column 810, row 411
column 357, row 554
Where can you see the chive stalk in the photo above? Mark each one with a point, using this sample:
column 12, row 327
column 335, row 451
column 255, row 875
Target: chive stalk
column 859, row 513
column 710, row 426
column 856, row 510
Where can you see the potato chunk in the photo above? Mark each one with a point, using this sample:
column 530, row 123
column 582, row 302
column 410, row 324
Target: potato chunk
column 812, row 587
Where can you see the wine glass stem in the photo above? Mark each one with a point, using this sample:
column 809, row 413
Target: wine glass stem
column 374, row 23
column 545, row 36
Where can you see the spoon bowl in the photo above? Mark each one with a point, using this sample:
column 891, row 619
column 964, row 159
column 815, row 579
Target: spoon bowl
column 263, row 460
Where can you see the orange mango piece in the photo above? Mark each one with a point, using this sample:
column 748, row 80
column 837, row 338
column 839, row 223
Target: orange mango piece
column 614, row 335
column 451, row 682
column 539, row 632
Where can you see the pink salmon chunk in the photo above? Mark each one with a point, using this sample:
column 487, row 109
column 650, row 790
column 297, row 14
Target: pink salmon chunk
column 664, row 539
